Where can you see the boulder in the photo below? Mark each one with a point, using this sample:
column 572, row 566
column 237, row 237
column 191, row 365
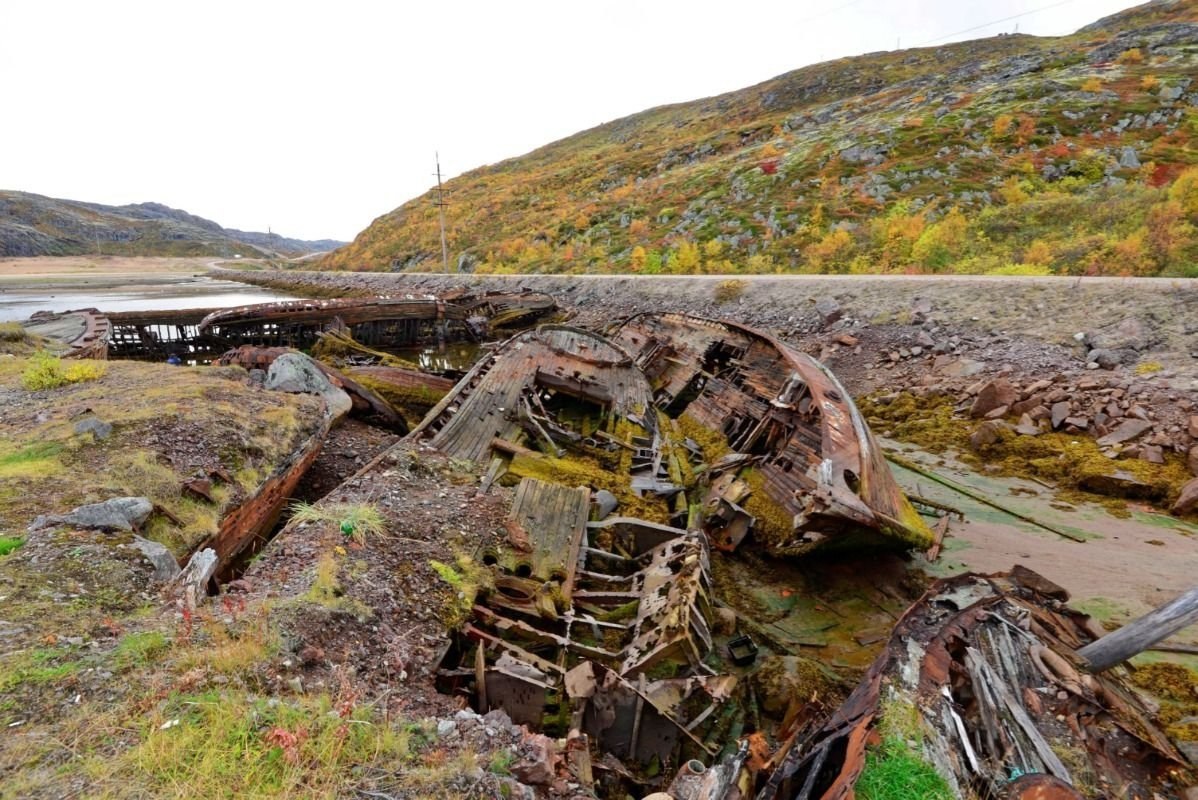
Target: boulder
column 829, row 310
column 165, row 565
column 1119, row 484
column 1193, row 427
column 1192, row 460
column 95, row 426
column 1127, row 430
column 1106, row 358
column 298, row 373
column 1187, row 501
column 536, row 765
column 117, row 514
column 993, row 395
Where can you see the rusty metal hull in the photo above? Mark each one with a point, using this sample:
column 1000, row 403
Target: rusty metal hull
column 817, row 459
column 84, row 333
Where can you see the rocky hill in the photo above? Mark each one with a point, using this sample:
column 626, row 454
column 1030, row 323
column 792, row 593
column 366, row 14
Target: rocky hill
column 1011, row 155
column 33, row 225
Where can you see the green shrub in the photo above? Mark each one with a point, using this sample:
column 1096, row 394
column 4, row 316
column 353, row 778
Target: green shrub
column 10, row 543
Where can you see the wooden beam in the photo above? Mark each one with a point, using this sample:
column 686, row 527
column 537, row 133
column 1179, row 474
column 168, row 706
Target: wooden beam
column 1141, row 634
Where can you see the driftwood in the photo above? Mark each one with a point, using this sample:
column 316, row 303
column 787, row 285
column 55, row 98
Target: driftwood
column 1141, row 634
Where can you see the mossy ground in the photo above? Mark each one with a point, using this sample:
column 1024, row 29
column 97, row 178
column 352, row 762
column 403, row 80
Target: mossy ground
column 167, row 423
column 1176, row 688
column 1062, row 460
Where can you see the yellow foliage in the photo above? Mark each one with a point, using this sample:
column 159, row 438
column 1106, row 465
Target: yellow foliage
column 636, row 261
column 1132, row 56
column 638, row 228
column 1039, row 252
column 1092, row 85
column 1002, row 125
column 713, row 249
column 1012, row 192
column 1184, row 192
column 1131, row 256
column 831, row 253
column 685, row 260
column 943, row 241
column 770, row 151
column 1149, row 82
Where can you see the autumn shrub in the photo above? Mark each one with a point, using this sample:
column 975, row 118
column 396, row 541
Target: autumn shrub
column 48, row 372
column 1132, row 56
column 729, row 290
column 1092, row 85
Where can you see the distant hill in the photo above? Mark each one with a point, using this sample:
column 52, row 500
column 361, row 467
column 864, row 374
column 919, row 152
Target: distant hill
column 33, row 225
column 1013, row 154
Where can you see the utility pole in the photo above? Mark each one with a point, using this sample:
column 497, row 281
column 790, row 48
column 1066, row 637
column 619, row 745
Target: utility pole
column 441, row 215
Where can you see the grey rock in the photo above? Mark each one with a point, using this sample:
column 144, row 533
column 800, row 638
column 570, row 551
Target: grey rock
column 119, row 513
column 1105, row 359
column 446, row 727
column 165, row 566
column 1128, row 159
column 1126, row 431
column 1169, row 93
column 297, row 373
column 95, row 426
column 1187, row 501
column 829, row 310
column 1059, row 412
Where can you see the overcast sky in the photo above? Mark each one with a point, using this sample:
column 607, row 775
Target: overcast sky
column 314, row 118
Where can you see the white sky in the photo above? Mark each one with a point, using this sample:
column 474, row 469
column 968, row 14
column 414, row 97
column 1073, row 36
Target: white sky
column 314, row 118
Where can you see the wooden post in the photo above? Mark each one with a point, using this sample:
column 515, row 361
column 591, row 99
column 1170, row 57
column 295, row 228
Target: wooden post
column 1141, row 634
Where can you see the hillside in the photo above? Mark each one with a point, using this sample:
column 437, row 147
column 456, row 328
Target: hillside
column 1013, row 154
column 33, row 225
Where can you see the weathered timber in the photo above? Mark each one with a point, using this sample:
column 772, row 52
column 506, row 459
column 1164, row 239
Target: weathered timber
column 1142, row 633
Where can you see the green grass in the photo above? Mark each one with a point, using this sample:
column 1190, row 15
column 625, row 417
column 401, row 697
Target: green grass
column 139, row 649
column 36, row 668
column 357, row 521
column 37, row 460
column 10, row 543
column 893, row 772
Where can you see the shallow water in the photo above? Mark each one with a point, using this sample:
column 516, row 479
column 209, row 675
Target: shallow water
column 144, row 293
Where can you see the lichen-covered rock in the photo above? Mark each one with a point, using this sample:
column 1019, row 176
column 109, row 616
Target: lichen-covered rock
column 296, row 372
column 117, row 514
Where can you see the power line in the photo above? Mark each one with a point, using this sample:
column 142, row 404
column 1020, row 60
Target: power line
column 995, row 22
